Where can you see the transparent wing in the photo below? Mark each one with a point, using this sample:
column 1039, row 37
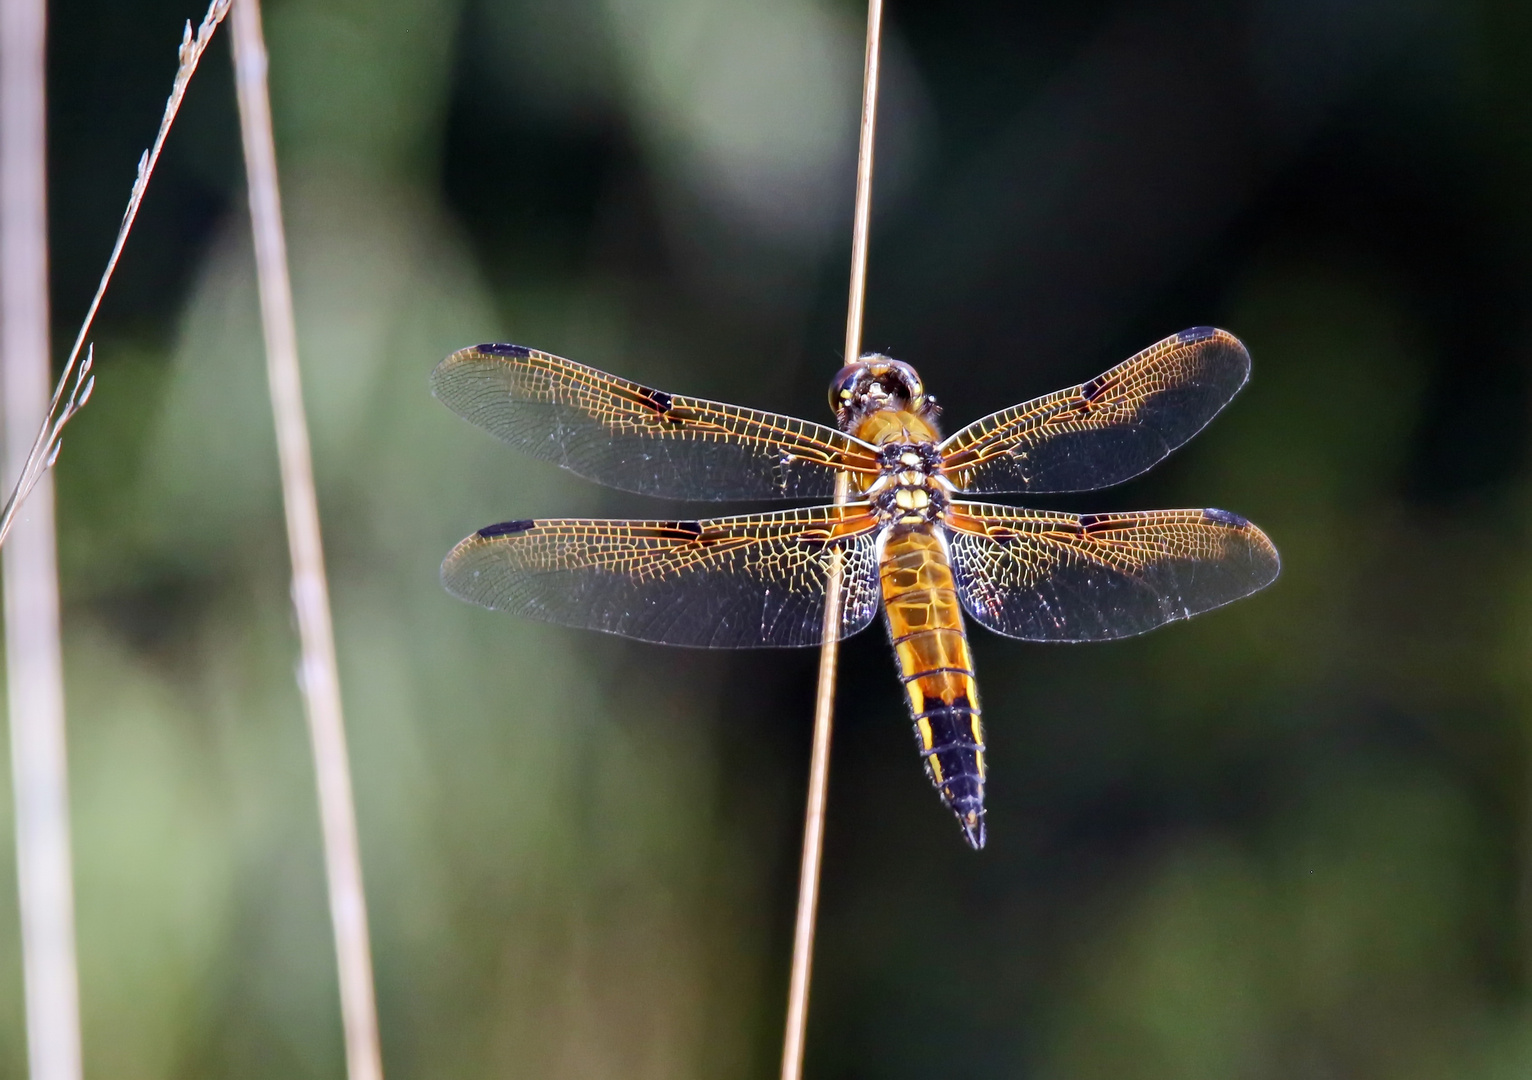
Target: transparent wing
column 1107, row 430
column 727, row 583
column 629, row 436
column 1043, row 576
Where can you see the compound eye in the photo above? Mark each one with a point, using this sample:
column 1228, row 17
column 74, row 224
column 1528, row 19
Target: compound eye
column 907, row 377
column 843, row 386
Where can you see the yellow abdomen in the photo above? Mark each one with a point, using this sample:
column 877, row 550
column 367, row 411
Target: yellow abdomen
column 925, row 623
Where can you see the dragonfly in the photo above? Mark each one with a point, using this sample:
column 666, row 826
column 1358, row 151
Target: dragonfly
column 905, row 537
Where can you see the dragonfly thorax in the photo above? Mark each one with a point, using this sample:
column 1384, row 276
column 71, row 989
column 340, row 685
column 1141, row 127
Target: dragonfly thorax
column 910, row 488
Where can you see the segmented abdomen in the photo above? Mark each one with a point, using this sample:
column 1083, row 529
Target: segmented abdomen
column 925, row 623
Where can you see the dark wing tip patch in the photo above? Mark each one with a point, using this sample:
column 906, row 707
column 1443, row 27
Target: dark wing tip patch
column 498, row 348
column 1226, row 518
column 1197, row 333
column 505, row 528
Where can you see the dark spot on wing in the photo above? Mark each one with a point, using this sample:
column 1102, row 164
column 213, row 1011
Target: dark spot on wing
column 1094, row 523
column 1095, row 388
column 502, row 349
column 692, row 529
column 657, row 400
column 506, row 528
column 1224, row 517
column 1196, row 333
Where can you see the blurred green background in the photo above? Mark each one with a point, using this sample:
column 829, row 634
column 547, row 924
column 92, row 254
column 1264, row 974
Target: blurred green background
column 1291, row 839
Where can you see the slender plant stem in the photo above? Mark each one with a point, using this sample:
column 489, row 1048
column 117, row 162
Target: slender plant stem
column 318, row 677
column 861, row 223
column 34, row 663
column 824, row 698
column 73, row 379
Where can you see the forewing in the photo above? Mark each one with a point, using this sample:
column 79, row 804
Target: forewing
column 629, row 436
column 1043, row 576
column 1107, row 430
column 727, row 583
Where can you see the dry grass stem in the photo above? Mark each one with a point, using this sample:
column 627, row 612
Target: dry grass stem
column 824, row 698
column 75, row 381
column 34, row 664
column 320, row 682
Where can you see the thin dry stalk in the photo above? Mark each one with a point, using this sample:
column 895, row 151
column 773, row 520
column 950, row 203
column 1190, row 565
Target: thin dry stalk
column 77, row 381
column 319, row 679
column 34, row 664
column 824, row 700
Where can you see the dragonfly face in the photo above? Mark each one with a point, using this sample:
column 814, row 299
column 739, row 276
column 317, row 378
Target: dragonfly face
column 877, row 384
column 910, row 543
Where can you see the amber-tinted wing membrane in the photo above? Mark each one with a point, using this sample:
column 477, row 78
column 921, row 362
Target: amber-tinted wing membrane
column 632, row 437
column 1043, row 576
column 728, row 583
column 1107, row 430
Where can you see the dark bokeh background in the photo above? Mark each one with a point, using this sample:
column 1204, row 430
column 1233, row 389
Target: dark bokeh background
column 1290, row 839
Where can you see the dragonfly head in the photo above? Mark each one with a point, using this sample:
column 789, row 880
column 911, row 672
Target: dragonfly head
column 876, row 383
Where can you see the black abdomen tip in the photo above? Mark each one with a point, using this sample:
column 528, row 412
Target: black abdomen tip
column 973, row 830
column 968, row 806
